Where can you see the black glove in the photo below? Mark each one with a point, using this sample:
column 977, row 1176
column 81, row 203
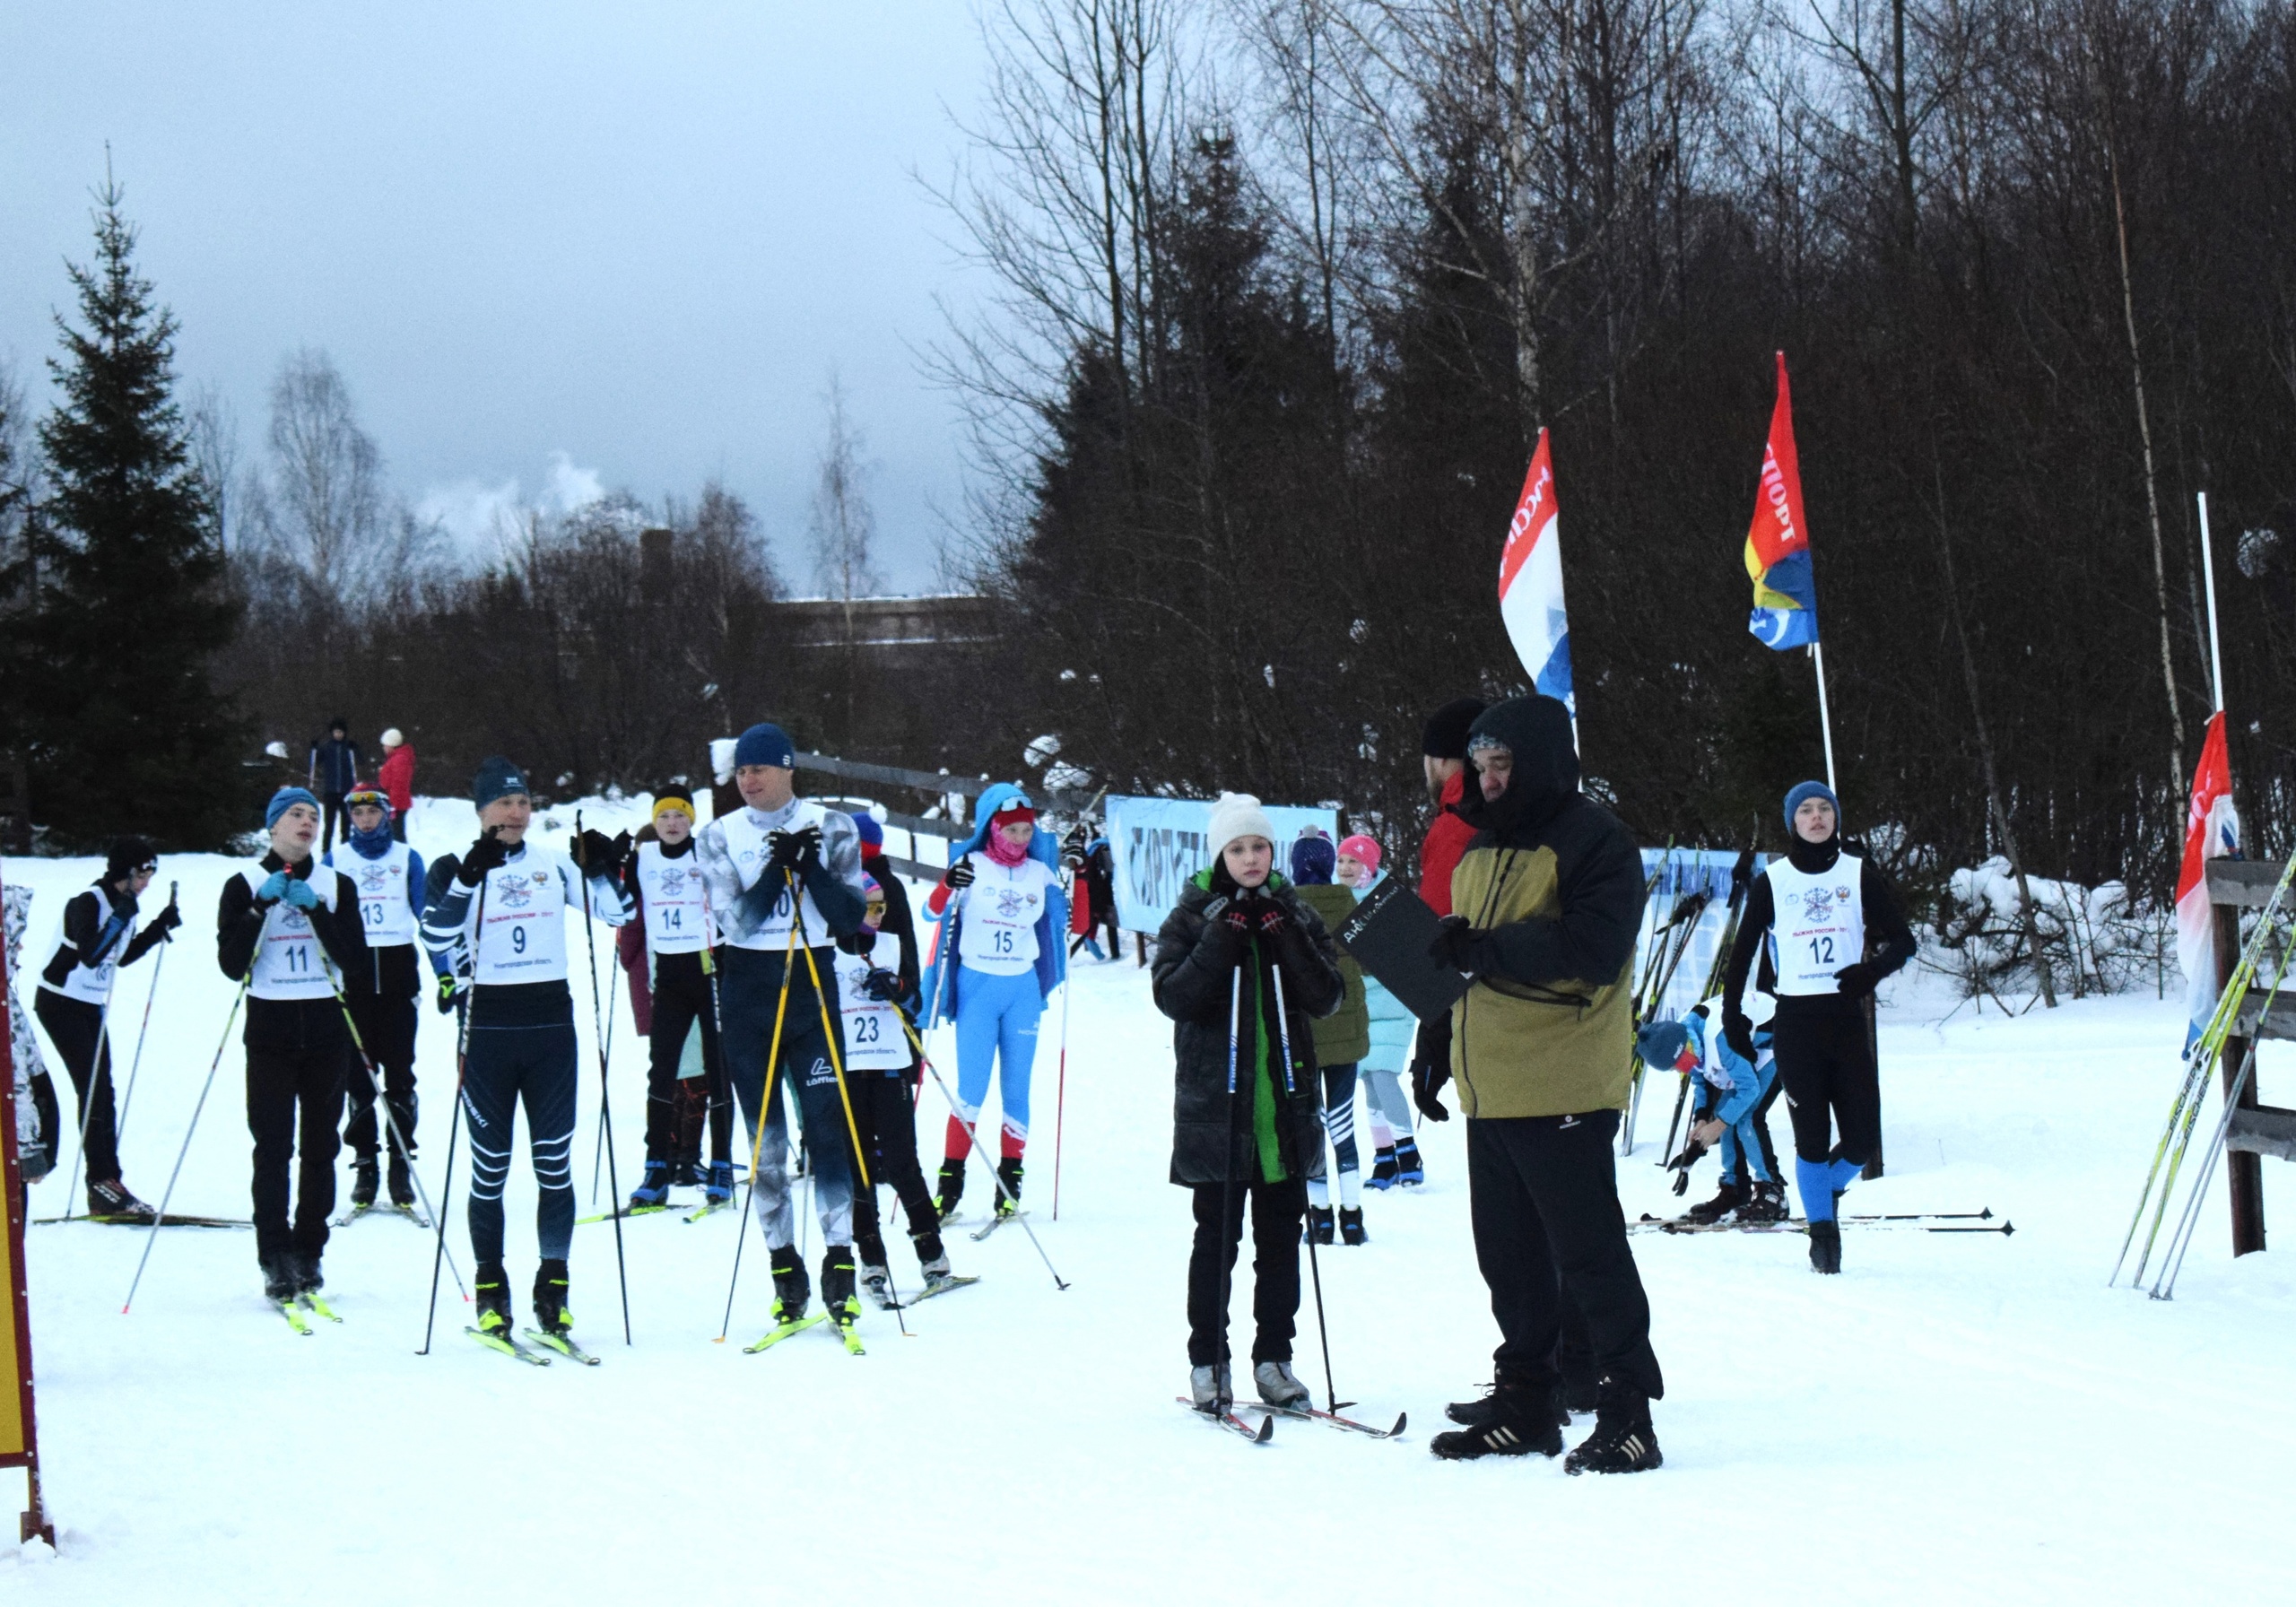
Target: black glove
column 1431, row 1068
column 795, row 852
column 882, row 985
column 1692, row 1153
column 1738, row 1032
column 1454, row 944
column 1268, row 919
column 961, row 874
column 450, row 990
column 1856, row 981
column 168, row 919
column 489, row 852
column 1225, row 922
column 599, row 854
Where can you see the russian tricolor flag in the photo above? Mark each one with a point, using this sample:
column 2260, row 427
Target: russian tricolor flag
column 1778, row 543
column 1530, row 584
column 2211, row 832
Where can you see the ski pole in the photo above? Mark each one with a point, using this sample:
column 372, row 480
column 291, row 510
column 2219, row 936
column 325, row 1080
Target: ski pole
column 119, row 1127
column 764, row 1114
column 1232, row 1229
column 605, row 1105
column 1314, row 1272
column 972, row 1135
column 1060, row 1100
column 466, row 1003
column 390, row 1117
column 237, row 999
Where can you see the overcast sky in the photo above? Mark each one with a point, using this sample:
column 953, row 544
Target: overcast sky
column 550, row 245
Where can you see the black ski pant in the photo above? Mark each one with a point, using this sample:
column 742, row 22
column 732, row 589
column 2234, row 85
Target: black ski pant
column 1549, row 1236
column 76, row 1028
column 386, row 1027
column 506, row 1066
column 1276, row 1211
column 294, row 1106
column 886, row 1116
column 1825, row 1064
column 335, row 814
column 682, row 1001
column 1762, row 1126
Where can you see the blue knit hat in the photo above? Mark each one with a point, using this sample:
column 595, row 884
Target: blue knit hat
column 496, row 777
column 285, row 799
column 1661, row 1045
column 765, row 744
column 1313, row 859
column 1805, row 791
column 872, row 835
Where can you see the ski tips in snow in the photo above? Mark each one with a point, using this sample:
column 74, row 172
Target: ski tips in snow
column 1229, row 1420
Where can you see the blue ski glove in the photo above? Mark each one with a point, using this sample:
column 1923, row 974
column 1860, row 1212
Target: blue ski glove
column 301, row 894
column 274, row 888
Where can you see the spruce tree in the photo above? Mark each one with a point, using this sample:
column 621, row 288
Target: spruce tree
column 123, row 728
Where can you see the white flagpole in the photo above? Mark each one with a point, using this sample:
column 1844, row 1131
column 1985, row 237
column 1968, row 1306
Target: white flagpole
column 2208, row 572
column 1825, row 715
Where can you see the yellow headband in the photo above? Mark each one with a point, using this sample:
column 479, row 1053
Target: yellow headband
column 682, row 805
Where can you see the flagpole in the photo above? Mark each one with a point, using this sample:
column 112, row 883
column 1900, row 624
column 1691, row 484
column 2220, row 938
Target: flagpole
column 2208, row 572
column 1825, row 715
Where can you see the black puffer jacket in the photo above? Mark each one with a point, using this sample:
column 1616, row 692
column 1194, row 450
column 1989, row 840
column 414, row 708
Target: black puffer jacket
column 1195, row 972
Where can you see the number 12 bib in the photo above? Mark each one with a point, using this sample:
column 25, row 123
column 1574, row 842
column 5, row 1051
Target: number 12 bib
column 1818, row 924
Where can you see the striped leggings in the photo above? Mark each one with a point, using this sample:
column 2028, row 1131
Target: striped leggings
column 1339, row 1126
column 506, row 1065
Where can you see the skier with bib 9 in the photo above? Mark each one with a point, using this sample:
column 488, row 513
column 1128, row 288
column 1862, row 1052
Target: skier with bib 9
column 783, row 874
column 1002, row 950
column 1546, row 903
column 498, row 924
column 388, row 876
column 1342, row 1039
column 664, row 879
column 1814, row 911
column 1247, row 1123
column 1391, row 1029
column 95, row 935
column 290, row 927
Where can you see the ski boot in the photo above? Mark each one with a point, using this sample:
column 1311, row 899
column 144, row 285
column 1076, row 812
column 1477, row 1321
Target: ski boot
column 550, row 1315
column 1279, row 1387
column 401, row 1182
column 1209, row 1388
column 1384, row 1167
column 837, row 1294
column 365, row 1175
column 654, row 1187
column 1350, row 1226
column 1623, row 1442
column 278, row 1277
column 877, row 1283
column 934, row 1270
column 491, row 1291
column 111, row 1198
column 1727, row 1199
column 305, row 1265
column 719, row 1189
column 1509, row 1420
column 1008, row 1198
column 1825, row 1246
column 1319, row 1225
column 953, row 1187
column 1410, row 1170
column 687, row 1173
column 791, row 1288
column 1766, row 1205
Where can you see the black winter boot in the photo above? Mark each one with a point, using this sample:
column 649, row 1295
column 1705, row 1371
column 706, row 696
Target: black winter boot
column 305, row 1265
column 550, row 1315
column 1766, row 1205
column 365, row 1175
column 791, row 1288
column 1825, row 1246
column 1513, row 1421
column 1623, row 1442
column 401, row 1182
column 953, row 1187
column 1383, row 1168
column 1319, row 1225
column 1350, row 1226
column 278, row 1276
column 490, row 1289
column 1727, row 1199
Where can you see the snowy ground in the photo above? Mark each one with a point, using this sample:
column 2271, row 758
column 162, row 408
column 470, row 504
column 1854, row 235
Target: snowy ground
column 1965, row 1418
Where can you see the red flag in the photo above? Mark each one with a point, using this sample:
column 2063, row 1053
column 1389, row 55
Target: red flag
column 1777, row 542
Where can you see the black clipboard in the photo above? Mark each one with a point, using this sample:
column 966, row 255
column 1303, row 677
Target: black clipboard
column 1389, row 935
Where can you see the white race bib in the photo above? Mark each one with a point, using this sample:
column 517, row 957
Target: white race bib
column 1818, row 925
column 290, row 962
column 522, row 924
column 386, row 909
column 875, row 1040
column 91, row 986
column 745, row 842
column 677, row 915
column 997, row 931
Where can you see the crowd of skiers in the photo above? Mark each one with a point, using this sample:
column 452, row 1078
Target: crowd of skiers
column 773, row 958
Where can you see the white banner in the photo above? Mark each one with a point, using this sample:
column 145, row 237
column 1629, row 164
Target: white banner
column 1158, row 844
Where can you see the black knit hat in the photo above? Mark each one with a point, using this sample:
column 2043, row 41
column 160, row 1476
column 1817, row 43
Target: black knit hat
column 496, row 777
column 127, row 855
column 1447, row 729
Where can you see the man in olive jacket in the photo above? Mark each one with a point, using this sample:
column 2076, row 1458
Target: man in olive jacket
column 1545, row 904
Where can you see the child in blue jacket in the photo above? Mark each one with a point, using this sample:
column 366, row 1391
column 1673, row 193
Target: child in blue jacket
column 1731, row 1097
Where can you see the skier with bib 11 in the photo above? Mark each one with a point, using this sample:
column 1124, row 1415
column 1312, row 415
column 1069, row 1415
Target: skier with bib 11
column 1814, row 910
column 1246, row 1121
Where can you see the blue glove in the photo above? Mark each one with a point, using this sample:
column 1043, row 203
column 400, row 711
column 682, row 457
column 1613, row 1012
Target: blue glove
column 276, row 888
column 301, row 893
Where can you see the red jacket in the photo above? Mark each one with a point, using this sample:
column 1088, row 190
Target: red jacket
column 1447, row 839
column 397, row 778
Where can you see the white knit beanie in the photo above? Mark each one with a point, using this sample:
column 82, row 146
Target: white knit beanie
column 1235, row 815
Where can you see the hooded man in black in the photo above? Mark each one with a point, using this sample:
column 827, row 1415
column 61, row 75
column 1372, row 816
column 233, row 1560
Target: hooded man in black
column 1546, row 902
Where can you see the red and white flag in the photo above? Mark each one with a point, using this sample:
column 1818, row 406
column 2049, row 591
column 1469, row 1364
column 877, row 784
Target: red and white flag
column 2211, row 832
